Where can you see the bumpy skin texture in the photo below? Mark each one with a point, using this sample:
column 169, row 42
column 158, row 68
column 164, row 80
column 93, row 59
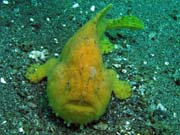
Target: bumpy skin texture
column 79, row 86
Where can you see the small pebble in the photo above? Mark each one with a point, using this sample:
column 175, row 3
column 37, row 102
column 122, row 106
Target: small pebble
column 145, row 62
column 124, row 71
column 5, row 2
column 48, row 19
column 175, row 115
column 56, row 54
column 166, row 63
column 101, row 126
column 117, row 65
column 76, row 5
column 4, row 122
column 31, row 19
column 2, row 80
column 21, row 130
column 117, row 133
column 152, row 54
column 161, row 107
column 125, row 59
column 64, row 25
column 127, row 122
column 154, row 78
column 56, row 40
column 92, row 8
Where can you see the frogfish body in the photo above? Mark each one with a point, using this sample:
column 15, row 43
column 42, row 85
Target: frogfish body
column 79, row 86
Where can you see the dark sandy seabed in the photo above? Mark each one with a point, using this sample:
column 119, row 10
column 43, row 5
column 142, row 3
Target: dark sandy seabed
column 149, row 59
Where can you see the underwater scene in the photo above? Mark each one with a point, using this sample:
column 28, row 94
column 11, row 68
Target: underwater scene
column 89, row 67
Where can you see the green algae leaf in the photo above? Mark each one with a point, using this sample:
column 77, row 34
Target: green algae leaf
column 106, row 46
column 130, row 22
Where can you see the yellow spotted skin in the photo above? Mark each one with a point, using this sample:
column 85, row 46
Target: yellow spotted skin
column 79, row 86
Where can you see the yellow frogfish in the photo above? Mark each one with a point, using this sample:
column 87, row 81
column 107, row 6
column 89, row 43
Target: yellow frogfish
column 79, row 86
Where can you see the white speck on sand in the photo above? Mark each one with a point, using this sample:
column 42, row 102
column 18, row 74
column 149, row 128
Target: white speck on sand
column 92, row 8
column 76, row 5
column 3, row 80
column 5, row 2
